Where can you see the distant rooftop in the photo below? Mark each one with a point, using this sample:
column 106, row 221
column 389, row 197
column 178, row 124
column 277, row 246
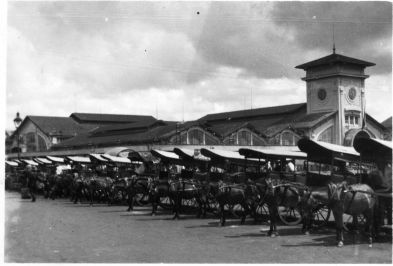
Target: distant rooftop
column 274, row 110
column 110, row 118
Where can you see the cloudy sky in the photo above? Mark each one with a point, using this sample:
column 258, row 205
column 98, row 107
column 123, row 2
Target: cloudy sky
column 182, row 60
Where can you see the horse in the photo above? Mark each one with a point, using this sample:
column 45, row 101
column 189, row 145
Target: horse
column 159, row 189
column 61, row 185
column 208, row 190
column 79, row 188
column 279, row 193
column 381, row 184
column 119, row 189
column 232, row 194
column 354, row 200
column 184, row 189
column 99, row 187
column 137, row 185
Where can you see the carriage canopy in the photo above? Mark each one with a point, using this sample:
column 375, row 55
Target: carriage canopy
column 324, row 152
column 273, row 152
column 42, row 160
column 167, row 157
column 142, row 156
column 79, row 159
column 221, row 156
column 11, row 163
column 191, row 155
column 55, row 159
column 374, row 150
column 30, row 162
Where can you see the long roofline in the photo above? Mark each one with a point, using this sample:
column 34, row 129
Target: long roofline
column 240, row 113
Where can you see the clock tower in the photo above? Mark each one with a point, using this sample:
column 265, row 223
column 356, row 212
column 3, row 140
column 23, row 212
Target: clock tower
column 336, row 83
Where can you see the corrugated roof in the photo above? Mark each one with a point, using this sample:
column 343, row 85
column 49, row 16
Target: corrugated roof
column 115, row 129
column 334, row 58
column 110, row 118
column 244, row 114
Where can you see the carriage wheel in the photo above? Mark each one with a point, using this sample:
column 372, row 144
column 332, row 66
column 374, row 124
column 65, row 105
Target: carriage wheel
column 348, row 222
column 142, row 199
column 213, row 206
column 289, row 215
column 166, row 203
column 189, row 203
column 322, row 216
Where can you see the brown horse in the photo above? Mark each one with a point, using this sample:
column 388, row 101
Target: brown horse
column 381, row 184
column 245, row 195
column 353, row 200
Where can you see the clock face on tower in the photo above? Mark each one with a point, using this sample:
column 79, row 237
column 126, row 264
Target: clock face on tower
column 352, row 93
column 321, row 94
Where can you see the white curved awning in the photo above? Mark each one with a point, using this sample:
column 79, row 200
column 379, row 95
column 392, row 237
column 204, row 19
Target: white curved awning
column 55, row 159
column 116, row 159
column 79, row 159
column 11, row 163
column 30, row 162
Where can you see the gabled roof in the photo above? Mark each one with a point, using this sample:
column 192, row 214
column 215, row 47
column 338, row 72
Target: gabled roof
column 334, row 58
column 252, row 113
column 387, row 123
column 109, row 118
column 55, row 125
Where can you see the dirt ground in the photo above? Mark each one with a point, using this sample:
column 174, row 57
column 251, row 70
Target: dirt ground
column 59, row 231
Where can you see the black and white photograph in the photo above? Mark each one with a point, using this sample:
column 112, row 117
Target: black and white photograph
column 246, row 132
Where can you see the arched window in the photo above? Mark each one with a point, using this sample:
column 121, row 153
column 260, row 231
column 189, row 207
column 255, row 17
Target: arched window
column 30, row 142
column 244, row 138
column 326, row 135
column 41, row 144
column 287, row 139
column 230, row 140
column 275, row 140
column 195, row 137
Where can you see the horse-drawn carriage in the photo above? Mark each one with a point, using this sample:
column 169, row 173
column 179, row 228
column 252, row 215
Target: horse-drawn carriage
column 378, row 153
column 348, row 187
column 285, row 165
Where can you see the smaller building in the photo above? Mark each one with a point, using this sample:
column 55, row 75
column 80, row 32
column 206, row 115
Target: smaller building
column 40, row 133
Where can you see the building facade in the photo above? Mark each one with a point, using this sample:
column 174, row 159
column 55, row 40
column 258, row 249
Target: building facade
column 334, row 113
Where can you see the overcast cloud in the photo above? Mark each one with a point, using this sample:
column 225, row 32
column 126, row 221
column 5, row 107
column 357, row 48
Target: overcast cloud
column 183, row 60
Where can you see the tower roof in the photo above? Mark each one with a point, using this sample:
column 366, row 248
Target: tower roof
column 334, row 58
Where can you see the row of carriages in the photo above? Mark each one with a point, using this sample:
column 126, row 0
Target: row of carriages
column 311, row 164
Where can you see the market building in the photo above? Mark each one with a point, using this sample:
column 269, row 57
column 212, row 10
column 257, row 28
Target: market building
column 334, row 113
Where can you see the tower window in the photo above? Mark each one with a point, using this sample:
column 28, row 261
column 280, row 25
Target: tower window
column 352, row 120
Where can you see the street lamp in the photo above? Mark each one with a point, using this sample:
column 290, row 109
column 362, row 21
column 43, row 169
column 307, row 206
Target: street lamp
column 17, row 122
